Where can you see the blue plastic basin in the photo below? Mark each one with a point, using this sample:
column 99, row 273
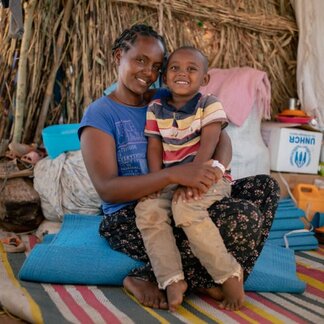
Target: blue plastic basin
column 61, row 138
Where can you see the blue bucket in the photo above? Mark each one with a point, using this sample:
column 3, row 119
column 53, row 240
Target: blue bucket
column 61, row 138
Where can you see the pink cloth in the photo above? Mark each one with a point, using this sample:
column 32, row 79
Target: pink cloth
column 238, row 89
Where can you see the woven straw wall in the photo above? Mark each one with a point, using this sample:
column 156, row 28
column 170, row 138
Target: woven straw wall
column 65, row 54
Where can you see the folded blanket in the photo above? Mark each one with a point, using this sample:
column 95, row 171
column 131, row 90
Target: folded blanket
column 78, row 255
column 297, row 242
column 288, row 229
column 289, row 212
column 284, row 202
column 280, row 234
column 287, row 224
column 238, row 88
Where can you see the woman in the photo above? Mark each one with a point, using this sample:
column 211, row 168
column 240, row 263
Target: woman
column 114, row 151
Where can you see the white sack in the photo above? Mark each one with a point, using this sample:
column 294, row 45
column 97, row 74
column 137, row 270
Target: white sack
column 250, row 154
column 64, row 187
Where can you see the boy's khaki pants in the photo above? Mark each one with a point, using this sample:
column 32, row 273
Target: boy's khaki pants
column 153, row 218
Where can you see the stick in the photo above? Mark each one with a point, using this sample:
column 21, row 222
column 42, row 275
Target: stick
column 22, row 72
column 55, row 66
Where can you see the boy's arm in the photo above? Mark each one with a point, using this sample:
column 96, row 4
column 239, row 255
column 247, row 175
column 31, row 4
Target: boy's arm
column 214, row 141
column 215, row 144
column 154, row 154
column 218, row 149
column 209, row 139
column 223, row 152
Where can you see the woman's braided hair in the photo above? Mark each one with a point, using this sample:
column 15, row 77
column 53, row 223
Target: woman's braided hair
column 129, row 36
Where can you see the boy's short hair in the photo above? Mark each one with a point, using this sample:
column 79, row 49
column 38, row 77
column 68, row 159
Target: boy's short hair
column 194, row 49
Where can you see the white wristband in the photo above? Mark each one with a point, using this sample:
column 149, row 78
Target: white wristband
column 218, row 165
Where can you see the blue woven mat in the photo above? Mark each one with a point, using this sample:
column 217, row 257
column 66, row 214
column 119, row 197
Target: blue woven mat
column 78, row 255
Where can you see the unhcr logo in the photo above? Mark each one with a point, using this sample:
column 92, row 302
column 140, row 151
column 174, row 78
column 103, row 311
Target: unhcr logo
column 309, row 140
column 300, row 156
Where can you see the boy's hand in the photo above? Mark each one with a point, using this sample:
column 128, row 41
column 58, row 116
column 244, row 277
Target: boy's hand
column 179, row 194
column 151, row 196
column 185, row 194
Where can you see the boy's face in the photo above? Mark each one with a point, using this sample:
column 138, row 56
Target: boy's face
column 186, row 72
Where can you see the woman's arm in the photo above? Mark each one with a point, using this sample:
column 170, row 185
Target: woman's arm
column 154, row 154
column 99, row 155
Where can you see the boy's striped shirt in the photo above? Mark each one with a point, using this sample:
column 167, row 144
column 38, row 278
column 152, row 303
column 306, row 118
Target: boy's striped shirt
column 179, row 130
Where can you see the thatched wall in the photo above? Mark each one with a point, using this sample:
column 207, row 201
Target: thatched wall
column 65, row 60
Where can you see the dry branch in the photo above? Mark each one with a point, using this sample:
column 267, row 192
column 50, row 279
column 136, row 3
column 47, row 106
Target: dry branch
column 22, row 72
column 69, row 61
column 212, row 10
column 57, row 60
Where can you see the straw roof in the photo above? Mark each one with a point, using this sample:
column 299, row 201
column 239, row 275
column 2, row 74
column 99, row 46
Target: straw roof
column 64, row 58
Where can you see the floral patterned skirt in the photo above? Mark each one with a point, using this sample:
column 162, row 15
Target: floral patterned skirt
column 244, row 221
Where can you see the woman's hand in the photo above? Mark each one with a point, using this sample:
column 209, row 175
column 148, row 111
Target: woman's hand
column 195, row 175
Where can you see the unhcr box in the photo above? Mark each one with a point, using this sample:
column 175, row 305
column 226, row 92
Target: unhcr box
column 293, row 149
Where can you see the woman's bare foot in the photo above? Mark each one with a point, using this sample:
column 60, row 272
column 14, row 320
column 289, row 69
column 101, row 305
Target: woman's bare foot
column 175, row 293
column 146, row 292
column 233, row 291
column 214, row 292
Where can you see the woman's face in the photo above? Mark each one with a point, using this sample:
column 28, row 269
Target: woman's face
column 140, row 66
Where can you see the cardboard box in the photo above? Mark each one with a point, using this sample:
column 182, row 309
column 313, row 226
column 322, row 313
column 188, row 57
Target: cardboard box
column 292, row 149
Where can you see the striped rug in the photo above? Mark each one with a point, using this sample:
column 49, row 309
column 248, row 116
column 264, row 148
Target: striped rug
column 46, row 303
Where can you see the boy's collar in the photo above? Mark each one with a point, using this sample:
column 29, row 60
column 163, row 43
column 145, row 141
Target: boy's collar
column 188, row 108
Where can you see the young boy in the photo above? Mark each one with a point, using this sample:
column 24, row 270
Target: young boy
column 182, row 128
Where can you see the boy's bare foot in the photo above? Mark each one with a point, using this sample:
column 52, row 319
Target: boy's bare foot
column 146, row 292
column 214, row 292
column 175, row 293
column 233, row 291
